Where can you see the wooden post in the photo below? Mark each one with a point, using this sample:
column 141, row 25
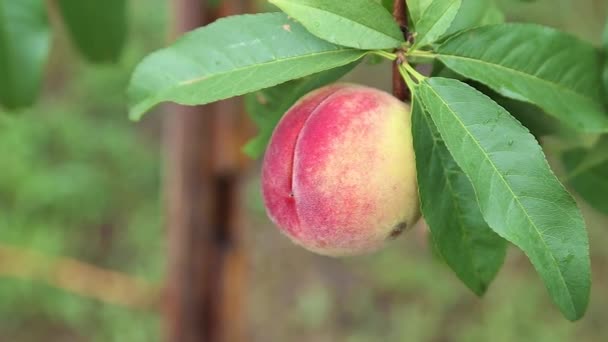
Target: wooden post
column 206, row 263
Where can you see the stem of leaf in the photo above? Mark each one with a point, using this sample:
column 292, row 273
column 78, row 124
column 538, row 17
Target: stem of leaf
column 406, row 67
column 421, row 53
column 406, row 77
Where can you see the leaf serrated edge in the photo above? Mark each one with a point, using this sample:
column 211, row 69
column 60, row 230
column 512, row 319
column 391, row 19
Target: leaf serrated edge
column 398, row 41
column 560, row 88
column 417, row 42
column 561, row 277
column 138, row 109
column 482, row 285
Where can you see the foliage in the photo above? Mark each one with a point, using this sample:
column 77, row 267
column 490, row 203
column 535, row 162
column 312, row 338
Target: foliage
column 565, row 85
column 465, row 141
column 69, row 179
column 466, row 242
column 98, row 29
column 519, row 196
column 193, row 70
column 435, row 20
column 24, row 47
column 362, row 24
column 79, row 181
column 64, row 193
column 587, row 169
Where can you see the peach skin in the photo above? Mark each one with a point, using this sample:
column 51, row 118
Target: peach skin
column 339, row 174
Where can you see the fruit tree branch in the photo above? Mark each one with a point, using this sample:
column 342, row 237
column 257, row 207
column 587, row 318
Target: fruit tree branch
column 400, row 89
column 79, row 277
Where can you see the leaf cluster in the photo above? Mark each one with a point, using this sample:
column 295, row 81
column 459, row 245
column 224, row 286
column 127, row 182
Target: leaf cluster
column 98, row 30
column 495, row 90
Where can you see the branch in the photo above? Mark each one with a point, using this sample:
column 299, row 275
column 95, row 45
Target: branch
column 78, row 277
column 400, row 89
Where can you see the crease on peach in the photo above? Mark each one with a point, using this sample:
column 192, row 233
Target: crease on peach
column 295, row 149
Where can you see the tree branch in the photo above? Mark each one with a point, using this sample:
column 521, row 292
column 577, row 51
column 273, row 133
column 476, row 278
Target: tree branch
column 400, row 89
column 79, row 277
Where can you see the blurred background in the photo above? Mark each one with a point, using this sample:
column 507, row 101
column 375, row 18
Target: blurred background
column 83, row 248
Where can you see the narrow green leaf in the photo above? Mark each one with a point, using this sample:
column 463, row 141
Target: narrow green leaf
column 361, row 24
column 519, row 196
column 538, row 122
column 535, row 119
column 460, row 233
column 440, row 70
column 97, row 28
column 605, row 58
column 417, row 8
column 605, row 35
column 231, row 57
column 494, row 15
column 435, row 21
column 605, row 79
column 473, row 13
column 388, row 5
column 535, row 64
column 24, row 48
column 588, row 173
column 267, row 106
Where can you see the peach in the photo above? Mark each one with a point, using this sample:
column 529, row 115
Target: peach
column 339, row 174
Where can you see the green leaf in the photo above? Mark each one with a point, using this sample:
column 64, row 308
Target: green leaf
column 440, row 70
column 494, row 15
column 417, row 8
column 535, row 64
column 435, row 21
column 538, row 122
column 231, row 57
column 458, row 229
column 605, row 57
column 519, row 196
column 267, row 106
column 605, row 36
column 97, row 28
column 24, row 48
column 588, row 173
column 361, row 24
column 388, row 5
column 473, row 13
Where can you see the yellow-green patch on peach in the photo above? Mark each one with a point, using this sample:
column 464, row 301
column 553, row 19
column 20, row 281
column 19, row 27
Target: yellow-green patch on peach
column 339, row 174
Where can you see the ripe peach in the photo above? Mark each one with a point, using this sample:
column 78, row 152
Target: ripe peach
column 339, row 174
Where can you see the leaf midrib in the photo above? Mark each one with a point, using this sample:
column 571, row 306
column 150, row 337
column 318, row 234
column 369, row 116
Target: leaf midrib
column 558, row 86
column 349, row 19
column 434, row 24
column 196, row 81
column 456, row 205
column 587, row 165
column 529, row 219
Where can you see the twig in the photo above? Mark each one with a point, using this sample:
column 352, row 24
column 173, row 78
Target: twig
column 79, row 277
column 400, row 89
